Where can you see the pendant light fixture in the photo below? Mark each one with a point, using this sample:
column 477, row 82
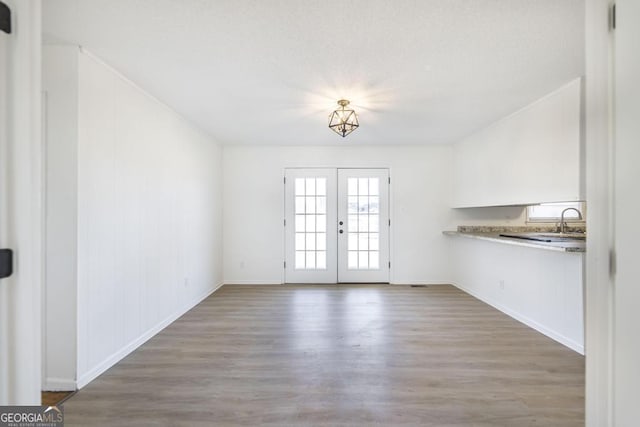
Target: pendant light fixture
column 343, row 121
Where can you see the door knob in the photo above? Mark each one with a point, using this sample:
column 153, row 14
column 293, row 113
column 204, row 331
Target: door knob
column 341, row 223
column 340, row 231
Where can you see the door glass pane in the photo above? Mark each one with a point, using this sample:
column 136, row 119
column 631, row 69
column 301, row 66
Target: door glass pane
column 374, row 244
column 374, row 204
column 374, row 260
column 300, row 259
column 310, row 243
column 352, row 242
column 363, row 223
column 374, row 223
column 352, row 204
column 363, row 204
column 311, row 259
column 352, row 186
column 321, row 186
column 310, row 229
column 363, row 260
column 352, row 260
column 310, row 205
column 311, row 187
column 363, row 241
column 363, row 207
column 300, row 186
column 353, row 223
column 321, row 260
column 363, row 187
column 321, row 241
column 311, row 224
column 373, row 187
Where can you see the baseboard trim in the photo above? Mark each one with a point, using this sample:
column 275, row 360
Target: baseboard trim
column 421, row 283
column 568, row 342
column 271, row 283
column 126, row 350
column 252, row 282
column 59, row 384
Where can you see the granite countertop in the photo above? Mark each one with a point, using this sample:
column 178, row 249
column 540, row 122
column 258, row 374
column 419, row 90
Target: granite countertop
column 492, row 233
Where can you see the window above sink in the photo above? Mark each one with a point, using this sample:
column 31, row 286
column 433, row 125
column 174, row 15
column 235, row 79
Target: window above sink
column 550, row 212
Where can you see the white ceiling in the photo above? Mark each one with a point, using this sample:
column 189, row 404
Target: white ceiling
column 270, row 71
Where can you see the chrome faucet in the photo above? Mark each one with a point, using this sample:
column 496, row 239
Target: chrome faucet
column 564, row 224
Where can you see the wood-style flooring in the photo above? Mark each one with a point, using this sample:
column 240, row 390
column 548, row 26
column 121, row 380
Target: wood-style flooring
column 337, row 355
column 53, row 398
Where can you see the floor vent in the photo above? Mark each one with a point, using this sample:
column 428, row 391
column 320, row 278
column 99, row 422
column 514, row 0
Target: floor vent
column 418, row 286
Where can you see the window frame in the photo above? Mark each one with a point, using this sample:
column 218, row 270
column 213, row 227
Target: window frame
column 580, row 205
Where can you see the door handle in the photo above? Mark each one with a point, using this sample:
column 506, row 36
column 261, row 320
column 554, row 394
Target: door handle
column 5, row 18
column 6, row 263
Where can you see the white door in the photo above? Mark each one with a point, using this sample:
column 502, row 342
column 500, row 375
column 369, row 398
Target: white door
column 363, row 225
column 310, row 226
column 336, row 225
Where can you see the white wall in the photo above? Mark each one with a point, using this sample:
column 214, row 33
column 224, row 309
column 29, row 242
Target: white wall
column 254, row 207
column 541, row 288
column 20, row 206
column 531, row 156
column 149, row 217
column 491, row 215
column 140, row 190
column 60, row 84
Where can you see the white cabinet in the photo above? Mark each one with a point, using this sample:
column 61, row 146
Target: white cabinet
column 531, row 156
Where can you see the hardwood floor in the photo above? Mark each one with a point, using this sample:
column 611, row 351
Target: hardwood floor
column 52, row 398
column 340, row 355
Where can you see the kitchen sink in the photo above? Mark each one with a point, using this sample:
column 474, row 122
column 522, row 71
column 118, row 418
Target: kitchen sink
column 548, row 237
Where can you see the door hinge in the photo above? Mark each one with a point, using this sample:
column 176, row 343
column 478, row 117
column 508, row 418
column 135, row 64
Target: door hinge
column 284, row 180
column 389, row 222
column 5, row 18
column 6, row 263
column 612, row 263
column 285, row 222
column 389, row 180
column 285, row 264
column 389, row 264
column 612, row 17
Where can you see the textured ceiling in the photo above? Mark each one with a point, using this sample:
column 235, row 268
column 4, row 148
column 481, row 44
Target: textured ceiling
column 270, row 71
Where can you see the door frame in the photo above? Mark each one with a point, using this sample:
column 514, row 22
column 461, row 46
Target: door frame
column 598, row 144
column 22, row 231
column 336, row 167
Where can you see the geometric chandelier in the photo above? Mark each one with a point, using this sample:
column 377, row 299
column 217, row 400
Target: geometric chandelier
column 343, row 121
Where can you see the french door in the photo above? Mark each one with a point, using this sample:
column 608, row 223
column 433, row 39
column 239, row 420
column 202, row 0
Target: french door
column 336, row 225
